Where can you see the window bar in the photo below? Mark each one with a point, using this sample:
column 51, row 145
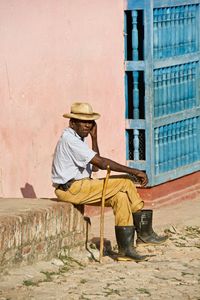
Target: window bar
column 156, row 93
column 194, row 85
column 164, row 80
column 162, row 34
column 193, row 9
column 169, row 150
column 159, row 92
column 186, row 87
column 191, row 85
column 177, row 30
column 196, row 12
column 190, row 90
column 180, row 49
column 192, row 82
column 185, row 25
column 135, row 82
column 156, row 132
column 136, row 113
column 178, row 149
column 172, row 33
column 182, row 140
column 162, row 31
column 135, row 96
column 134, row 35
column 174, row 145
column 190, row 133
column 186, row 29
column 190, row 94
column 181, row 87
column 168, row 91
column 168, row 33
column 127, row 145
column 155, row 33
column 136, row 144
column 159, row 33
column 177, row 94
column 165, row 152
column 181, row 18
column 161, row 153
column 173, row 93
column 196, row 154
column 189, row 26
column 186, row 141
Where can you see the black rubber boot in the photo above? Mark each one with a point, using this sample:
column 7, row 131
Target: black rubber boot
column 125, row 238
column 145, row 233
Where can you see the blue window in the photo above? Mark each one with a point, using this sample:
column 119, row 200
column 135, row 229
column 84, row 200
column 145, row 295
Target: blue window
column 162, row 87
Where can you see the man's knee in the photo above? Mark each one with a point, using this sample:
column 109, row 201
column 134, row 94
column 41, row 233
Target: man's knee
column 122, row 210
column 120, row 200
column 129, row 184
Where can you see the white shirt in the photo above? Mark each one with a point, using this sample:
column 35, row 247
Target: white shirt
column 71, row 158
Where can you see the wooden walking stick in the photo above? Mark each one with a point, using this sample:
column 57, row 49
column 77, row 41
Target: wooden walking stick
column 102, row 214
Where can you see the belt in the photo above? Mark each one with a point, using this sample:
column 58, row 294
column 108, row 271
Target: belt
column 65, row 186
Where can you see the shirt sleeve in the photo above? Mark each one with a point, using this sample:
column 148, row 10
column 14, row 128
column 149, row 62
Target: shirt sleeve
column 79, row 152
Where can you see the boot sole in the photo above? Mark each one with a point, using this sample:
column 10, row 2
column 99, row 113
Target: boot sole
column 125, row 258
column 141, row 243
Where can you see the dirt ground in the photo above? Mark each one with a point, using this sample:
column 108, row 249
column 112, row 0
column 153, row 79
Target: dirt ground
column 173, row 271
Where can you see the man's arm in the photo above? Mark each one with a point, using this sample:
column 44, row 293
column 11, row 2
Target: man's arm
column 102, row 163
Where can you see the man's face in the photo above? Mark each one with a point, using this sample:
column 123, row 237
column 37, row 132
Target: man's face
column 81, row 127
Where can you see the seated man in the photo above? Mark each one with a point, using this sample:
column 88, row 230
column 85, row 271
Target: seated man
column 72, row 166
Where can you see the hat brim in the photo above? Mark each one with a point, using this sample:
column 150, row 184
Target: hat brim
column 85, row 117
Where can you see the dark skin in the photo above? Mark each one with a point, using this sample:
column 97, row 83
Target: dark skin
column 83, row 129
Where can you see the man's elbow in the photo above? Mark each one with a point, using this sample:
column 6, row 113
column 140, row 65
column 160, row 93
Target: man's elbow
column 95, row 168
column 99, row 162
column 103, row 164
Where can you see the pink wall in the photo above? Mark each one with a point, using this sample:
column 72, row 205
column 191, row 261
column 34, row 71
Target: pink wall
column 53, row 53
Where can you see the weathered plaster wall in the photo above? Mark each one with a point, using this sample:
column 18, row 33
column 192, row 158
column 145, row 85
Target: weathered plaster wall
column 51, row 54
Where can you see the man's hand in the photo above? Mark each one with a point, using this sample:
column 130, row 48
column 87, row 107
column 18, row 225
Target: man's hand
column 93, row 134
column 93, row 131
column 142, row 177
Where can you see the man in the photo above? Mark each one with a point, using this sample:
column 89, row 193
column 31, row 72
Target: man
column 72, row 167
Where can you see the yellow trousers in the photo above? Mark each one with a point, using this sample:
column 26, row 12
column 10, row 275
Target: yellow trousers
column 121, row 195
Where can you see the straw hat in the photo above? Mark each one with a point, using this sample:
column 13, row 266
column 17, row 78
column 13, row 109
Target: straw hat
column 82, row 111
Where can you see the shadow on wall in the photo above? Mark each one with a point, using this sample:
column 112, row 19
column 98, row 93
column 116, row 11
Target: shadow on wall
column 28, row 191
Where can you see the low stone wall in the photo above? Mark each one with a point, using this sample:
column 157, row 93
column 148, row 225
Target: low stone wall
column 38, row 229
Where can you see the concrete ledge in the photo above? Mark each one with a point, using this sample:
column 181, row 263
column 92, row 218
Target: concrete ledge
column 38, row 229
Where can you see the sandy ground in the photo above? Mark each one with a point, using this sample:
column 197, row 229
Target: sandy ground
column 173, row 272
